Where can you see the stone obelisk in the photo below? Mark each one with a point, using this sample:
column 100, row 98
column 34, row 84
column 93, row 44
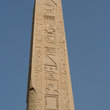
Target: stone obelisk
column 49, row 82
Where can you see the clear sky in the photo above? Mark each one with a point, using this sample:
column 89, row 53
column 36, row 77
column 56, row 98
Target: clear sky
column 87, row 24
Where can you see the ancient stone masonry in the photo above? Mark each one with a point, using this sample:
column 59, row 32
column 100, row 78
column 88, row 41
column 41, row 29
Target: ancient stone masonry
column 49, row 86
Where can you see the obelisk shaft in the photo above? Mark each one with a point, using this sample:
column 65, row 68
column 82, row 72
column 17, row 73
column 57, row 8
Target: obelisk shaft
column 49, row 83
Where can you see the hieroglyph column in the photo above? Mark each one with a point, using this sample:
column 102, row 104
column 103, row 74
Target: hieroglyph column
column 49, row 83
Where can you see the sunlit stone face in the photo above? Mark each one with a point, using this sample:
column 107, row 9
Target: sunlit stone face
column 50, row 87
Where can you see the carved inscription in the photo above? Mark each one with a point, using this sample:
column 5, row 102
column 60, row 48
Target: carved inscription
column 51, row 95
column 50, row 60
column 50, row 56
column 50, row 49
column 49, row 88
column 49, row 33
column 51, row 98
column 49, row 8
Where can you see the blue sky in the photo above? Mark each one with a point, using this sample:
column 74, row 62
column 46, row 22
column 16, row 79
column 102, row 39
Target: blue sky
column 87, row 24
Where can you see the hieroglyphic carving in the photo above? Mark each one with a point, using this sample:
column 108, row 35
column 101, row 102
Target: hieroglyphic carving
column 49, row 17
column 50, row 89
column 50, row 60
column 49, row 8
column 50, row 55
column 49, row 33
column 55, row 2
column 50, row 49
column 51, row 95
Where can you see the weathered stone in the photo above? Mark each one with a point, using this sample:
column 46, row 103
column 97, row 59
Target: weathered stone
column 49, row 83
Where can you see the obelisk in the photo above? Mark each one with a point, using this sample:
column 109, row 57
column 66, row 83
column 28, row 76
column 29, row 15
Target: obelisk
column 49, row 81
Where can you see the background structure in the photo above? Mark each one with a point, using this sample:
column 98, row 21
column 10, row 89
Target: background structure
column 87, row 24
